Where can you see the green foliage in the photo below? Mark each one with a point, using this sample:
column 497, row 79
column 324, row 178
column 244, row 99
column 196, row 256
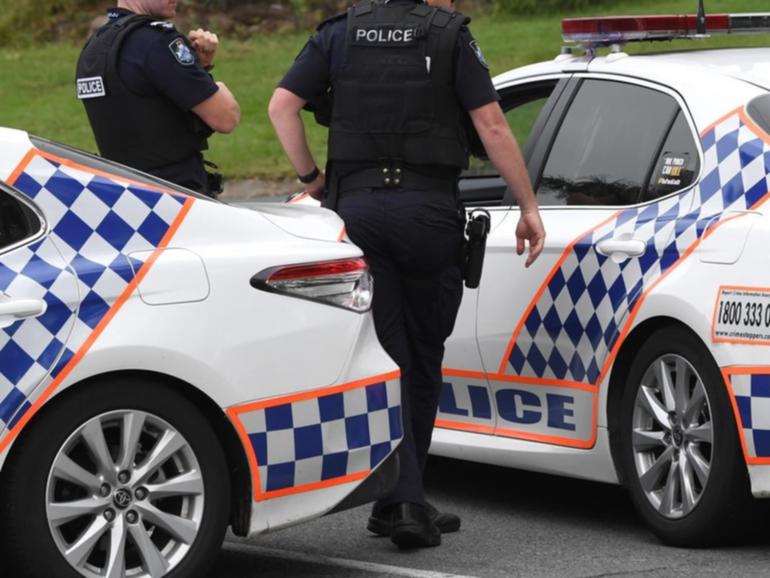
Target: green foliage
column 29, row 21
column 544, row 6
column 37, row 93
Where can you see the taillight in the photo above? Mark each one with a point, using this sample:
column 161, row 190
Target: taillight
column 343, row 283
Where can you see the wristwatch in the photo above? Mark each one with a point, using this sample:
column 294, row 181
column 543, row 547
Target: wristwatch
column 310, row 177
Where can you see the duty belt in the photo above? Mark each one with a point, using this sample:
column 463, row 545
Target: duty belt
column 395, row 177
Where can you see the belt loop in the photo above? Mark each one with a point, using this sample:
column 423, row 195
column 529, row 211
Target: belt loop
column 386, row 175
column 392, row 173
column 398, row 172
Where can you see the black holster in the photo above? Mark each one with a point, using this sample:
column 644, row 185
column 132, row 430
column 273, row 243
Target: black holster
column 332, row 191
column 214, row 181
column 476, row 231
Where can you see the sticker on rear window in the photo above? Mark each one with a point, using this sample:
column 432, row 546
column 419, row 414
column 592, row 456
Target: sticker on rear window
column 672, row 170
column 742, row 315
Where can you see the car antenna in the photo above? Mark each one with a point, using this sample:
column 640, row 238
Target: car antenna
column 701, row 20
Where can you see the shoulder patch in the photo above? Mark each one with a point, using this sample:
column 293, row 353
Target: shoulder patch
column 162, row 24
column 182, row 52
column 479, row 54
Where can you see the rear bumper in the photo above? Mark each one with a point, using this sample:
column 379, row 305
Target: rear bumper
column 380, row 483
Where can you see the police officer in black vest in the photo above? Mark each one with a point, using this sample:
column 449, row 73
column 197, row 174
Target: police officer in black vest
column 149, row 96
column 399, row 81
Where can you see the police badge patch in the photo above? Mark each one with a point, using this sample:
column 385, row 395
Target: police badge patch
column 479, row 54
column 182, row 52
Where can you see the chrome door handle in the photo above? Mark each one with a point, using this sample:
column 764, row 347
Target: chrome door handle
column 621, row 249
column 20, row 309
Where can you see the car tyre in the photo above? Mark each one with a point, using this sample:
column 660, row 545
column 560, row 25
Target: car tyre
column 164, row 515
column 680, row 450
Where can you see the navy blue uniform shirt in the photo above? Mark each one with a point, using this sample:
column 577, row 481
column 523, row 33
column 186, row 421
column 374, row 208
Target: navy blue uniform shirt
column 317, row 65
column 158, row 62
column 148, row 66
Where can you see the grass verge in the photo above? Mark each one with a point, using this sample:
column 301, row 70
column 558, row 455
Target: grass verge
column 37, row 92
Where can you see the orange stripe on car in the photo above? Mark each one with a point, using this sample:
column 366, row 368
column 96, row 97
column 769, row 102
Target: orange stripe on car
column 234, row 413
column 99, row 329
column 544, row 286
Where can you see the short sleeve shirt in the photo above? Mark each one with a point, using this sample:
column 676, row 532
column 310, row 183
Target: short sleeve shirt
column 320, row 61
column 157, row 61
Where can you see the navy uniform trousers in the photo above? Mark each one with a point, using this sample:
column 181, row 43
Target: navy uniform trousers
column 412, row 241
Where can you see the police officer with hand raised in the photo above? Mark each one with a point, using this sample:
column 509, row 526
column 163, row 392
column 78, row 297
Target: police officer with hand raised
column 149, row 95
column 399, row 82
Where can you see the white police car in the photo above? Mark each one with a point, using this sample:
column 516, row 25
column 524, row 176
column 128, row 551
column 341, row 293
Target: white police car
column 637, row 348
column 170, row 366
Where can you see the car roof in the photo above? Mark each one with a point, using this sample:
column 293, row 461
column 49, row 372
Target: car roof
column 750, row 65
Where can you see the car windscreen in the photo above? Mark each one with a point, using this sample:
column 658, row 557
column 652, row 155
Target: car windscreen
column 101, row 164
column 759, row 111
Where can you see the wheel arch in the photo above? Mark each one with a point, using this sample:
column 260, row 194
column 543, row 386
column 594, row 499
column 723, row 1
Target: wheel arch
column 619, row 375
column 240, row 475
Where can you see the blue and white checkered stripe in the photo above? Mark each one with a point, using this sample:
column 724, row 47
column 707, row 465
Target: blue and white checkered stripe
column 575, row 324
column 752, row 396
column 80, row 269
column 30, row 349
column 324, row 438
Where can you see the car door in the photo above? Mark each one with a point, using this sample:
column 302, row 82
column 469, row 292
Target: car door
column 37, row 297
column 604, row 170
column 467, row 402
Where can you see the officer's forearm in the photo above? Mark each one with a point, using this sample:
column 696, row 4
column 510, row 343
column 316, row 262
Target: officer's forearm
column 221, row 112
column 284, row 111
column 503, row 151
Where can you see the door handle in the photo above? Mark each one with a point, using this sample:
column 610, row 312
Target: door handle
column 620, row 249
column 21, row 309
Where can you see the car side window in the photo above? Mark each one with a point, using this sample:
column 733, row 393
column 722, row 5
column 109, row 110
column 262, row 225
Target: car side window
column 616, row 139
column 759, row 111
column 481, row 183
column 521, row 120
column 112, row 168
column 17, row 221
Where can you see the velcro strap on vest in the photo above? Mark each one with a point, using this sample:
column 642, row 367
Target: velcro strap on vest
column 422, row 10
column 441, row 19
column 363, row 8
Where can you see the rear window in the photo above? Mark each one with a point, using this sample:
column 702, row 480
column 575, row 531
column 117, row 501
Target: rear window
column 17, row 221
column 101, row 164
column 759, row 111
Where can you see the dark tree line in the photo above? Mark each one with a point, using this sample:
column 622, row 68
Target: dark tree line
column 31, row 21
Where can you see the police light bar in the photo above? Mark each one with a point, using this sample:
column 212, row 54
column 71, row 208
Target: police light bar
column 620, row 29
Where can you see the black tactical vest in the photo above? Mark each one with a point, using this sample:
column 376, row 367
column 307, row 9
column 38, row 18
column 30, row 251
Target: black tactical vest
column 142, row 132
column 394, row 99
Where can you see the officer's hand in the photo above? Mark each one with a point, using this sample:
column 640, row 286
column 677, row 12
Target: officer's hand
column 317, row 187
column 205, row 44
column 530, row 228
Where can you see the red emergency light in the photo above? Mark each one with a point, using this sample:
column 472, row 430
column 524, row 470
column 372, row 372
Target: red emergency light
column 620, row 29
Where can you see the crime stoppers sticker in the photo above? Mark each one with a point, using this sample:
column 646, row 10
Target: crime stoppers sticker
column 742, row 315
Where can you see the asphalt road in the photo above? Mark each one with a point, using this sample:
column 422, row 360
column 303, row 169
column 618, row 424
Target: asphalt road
column 514, row 524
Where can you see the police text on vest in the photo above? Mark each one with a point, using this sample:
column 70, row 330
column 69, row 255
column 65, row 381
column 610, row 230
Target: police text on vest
column 386, row 36
column 92, row 87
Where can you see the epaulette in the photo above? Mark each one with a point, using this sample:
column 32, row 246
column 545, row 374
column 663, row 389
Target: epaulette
column 363, row 7
column 163, row 25
column 444, row 17
column 332, row 19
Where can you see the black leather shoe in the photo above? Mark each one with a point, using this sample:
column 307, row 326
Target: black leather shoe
column 411, row 527
column 380, row 521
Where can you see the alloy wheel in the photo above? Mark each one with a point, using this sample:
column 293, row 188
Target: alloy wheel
column 672, row 436
column 125, row 496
